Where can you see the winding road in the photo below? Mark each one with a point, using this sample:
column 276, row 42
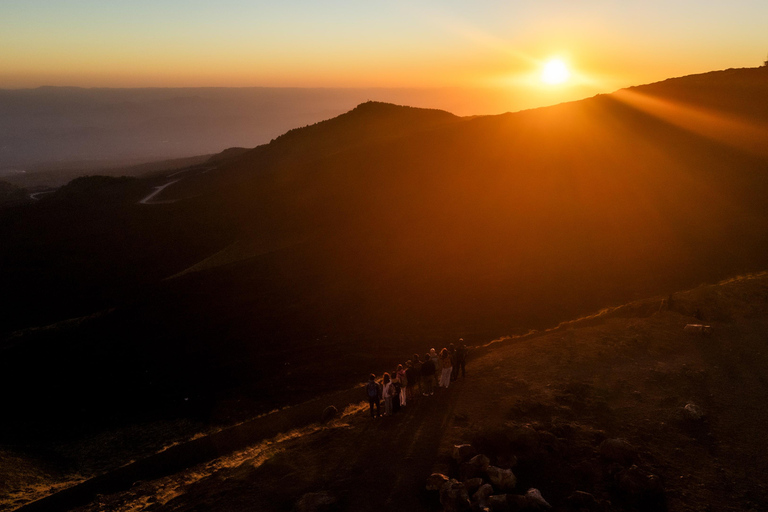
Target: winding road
column 150, row 197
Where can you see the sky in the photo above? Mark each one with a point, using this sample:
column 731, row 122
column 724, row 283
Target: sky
column 481, row 47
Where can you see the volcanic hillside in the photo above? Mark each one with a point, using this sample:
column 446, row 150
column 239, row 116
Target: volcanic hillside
column 620, row 411
column 342, row 246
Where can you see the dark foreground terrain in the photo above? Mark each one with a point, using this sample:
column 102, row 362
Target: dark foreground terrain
column 550, row 406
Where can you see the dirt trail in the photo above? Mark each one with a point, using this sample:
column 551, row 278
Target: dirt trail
column 404, row 446
column 368, row 464
column 404, row 450
column 196, row 451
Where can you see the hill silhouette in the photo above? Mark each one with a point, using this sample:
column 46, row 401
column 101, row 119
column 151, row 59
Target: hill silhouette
column 275, row 274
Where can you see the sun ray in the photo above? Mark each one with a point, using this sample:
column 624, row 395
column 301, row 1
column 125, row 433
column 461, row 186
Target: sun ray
column 727, row 129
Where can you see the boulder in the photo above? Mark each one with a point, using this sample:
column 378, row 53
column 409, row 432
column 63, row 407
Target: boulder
column 639, row 485
column 468, row 471
column 329, row 413
column 506, row 461
column 693, row 412
column 535, row 500
column 473, row 484
column 316, row 502
column 581, row 499
column 454, row 497
column 498, row 503
column 463, row 452
column 435, row 481
column 502, row 479
column 480, row 461
column 618, row 450
column 482, row 493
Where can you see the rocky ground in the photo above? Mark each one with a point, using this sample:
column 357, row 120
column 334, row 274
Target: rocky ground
column 624, row 411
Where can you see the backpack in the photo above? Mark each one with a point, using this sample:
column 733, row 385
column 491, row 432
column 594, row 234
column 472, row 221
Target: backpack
column 373, row 389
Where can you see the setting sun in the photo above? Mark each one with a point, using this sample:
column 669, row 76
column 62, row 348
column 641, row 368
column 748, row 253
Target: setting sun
column 555, row 72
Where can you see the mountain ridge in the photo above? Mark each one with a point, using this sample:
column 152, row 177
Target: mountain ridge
column 355, row 243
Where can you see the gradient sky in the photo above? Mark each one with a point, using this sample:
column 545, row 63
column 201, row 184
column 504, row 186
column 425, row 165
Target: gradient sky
column 497, row 46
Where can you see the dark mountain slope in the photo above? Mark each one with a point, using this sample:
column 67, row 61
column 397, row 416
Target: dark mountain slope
column 368, row 236
column 734, row 91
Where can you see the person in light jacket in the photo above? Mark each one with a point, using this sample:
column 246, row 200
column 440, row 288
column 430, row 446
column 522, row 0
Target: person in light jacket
column 387, row 392
column 446, row 368
column 403, row 379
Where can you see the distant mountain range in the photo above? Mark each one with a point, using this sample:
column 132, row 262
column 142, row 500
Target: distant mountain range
column 94, row 129
column 51, row 126
column 272, row 274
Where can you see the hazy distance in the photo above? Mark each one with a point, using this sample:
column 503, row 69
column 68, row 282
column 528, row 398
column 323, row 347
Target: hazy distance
column 91, row 128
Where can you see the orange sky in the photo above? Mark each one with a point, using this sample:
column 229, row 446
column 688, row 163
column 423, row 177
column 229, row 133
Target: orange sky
column 491, row 46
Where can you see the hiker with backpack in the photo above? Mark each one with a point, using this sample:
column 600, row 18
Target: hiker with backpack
column 373, row 391
column 461, row 359
column 454, row 366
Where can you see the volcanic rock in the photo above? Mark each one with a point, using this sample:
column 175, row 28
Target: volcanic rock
column 480, row 461
column 435, row 481
column 463, row 452
column 693, row 412
column 454, row 497
column 502, row 479
column 329, row 413
column 536, row 500
column 473, row 484
column 618, row 450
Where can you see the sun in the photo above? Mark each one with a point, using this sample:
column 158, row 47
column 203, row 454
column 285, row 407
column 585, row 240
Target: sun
column 555, row 72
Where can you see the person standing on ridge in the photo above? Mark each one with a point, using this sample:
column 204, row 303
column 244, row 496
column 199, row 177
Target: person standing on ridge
column 387, row 391
column 427, row 375
column 454, row 366
column 402, row 379
column 446, row 368
column 412, row 377
column 461, row 359
column 417, row 374
column 373, row 391
column 436, row 362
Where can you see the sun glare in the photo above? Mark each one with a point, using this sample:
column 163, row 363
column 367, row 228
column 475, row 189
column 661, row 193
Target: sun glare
column 555, row 72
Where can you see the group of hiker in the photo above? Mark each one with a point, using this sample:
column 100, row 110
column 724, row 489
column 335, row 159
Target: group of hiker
column 419, row 376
